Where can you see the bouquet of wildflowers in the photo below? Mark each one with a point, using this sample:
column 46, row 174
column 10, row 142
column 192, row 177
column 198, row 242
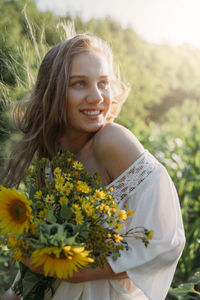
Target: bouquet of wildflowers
column 64, row 220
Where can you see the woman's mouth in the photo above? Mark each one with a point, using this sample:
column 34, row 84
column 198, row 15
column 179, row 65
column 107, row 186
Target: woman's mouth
column 91, row 112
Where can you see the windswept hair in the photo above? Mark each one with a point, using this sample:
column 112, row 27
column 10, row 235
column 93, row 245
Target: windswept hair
column 42, row 119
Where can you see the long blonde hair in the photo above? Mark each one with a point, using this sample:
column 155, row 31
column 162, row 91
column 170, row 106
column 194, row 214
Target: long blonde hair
column 42, row 119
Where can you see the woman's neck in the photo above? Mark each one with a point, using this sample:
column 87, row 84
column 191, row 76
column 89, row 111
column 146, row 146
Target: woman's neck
column 74, row 144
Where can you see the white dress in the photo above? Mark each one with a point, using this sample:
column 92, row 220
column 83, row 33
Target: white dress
column 147, row 189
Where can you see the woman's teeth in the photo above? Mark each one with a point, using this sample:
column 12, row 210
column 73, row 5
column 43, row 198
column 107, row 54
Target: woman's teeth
column 91, row 112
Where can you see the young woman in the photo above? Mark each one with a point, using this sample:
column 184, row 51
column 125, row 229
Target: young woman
column 76, row 97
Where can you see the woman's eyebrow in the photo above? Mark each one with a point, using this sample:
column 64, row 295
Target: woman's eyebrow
column 84, row 76
column 77, row 76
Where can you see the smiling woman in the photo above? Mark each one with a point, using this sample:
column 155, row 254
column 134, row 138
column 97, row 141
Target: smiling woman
column 75, row 100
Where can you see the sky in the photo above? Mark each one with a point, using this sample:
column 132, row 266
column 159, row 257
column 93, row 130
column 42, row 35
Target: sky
column 157, row 21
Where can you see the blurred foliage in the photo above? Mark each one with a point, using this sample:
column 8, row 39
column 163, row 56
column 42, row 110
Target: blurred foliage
column 162, row 109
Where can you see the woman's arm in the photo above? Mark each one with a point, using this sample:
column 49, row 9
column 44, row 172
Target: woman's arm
column 9, row 295
column 96, row 274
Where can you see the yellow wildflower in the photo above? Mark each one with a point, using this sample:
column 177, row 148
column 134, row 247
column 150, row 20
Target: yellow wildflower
column 118, row 226
column 43, row 213
column 59, row 180
column 150, row 235
column 38, row 195
column 122, row 215
column 75, row 207
column 63, row 200
column 88, row 208
column 79, row 217
column 100, row 194
column 130, row 212
column 118, row 238
column 66, row 189
column 12, row 241
column 17, row 254
column 57, row 171
column 82, row 187
column 77, row 165
column 49, row 199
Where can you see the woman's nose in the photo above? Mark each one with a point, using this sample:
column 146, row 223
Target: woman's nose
column 94, row 95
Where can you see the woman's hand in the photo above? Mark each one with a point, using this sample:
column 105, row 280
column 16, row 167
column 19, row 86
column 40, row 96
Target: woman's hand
column 27, row 262
column 9, row 295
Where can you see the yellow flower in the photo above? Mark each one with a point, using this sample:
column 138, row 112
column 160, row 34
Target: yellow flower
column 125, row 205
column 43, row 213
column 75, row 207
column 111, row 189
column 66, row 189
column 17, row 254
column 88, row 208
column 61, row 262
column 49, row 198
column 15, row 211
column 69, row 159
column 57, row 171
column 77, row 165
column 118, row 226
column 122, row 215
column 38, row 195
column 12, row 241
column 150, row 235
column 130, row 213
column 82, row 187
column 118, row 238
column 63, row 200
column 59, row 180
column 100, row 194
column 79, row 217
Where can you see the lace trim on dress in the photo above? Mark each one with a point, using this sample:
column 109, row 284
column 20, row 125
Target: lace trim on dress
column 133, row 176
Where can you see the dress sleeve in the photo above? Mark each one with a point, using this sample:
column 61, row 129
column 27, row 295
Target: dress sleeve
column 147, row 189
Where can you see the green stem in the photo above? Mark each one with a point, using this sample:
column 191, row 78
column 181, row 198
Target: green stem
column 196, row 292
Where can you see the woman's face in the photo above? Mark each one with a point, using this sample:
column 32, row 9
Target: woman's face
column 89, row 93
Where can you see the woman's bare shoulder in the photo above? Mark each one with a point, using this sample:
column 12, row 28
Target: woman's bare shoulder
column 116, row 148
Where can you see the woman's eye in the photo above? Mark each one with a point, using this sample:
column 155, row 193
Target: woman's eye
column 79, row 83
column 103, row 84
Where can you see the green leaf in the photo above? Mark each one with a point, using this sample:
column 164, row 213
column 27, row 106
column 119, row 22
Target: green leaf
column 195, row 278
column 71, row 240
column 182, row 289
column 50, row 217
column 65, row 212
column 115, row 255
column 29, row 281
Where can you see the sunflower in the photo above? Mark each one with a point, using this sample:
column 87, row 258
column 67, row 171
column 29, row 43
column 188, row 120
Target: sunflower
column 61, row 262
column 15, row 211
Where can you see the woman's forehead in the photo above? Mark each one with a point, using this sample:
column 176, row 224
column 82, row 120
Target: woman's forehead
column 90, row 62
